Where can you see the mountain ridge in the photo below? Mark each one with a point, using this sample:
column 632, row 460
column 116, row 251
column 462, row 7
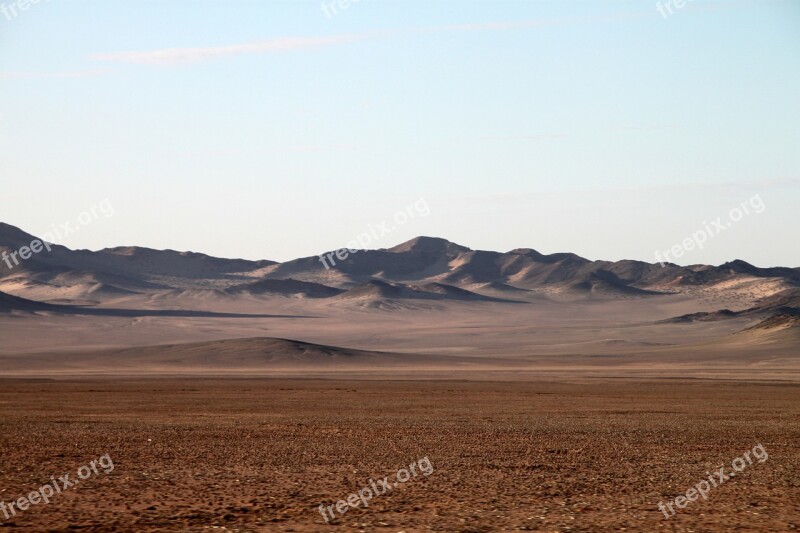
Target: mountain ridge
column 417, row 262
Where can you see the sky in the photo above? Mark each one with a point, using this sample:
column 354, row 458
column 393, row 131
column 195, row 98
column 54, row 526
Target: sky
column 283, row 129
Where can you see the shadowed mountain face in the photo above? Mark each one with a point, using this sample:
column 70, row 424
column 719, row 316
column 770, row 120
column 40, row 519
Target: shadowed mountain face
column 605, row 282
column 381, row 290
column 286, row 287
column 10, row 304
column 426, row 259
column 416, row 259
column 422, row 268
column 13, row 304
column 128, row 267
column 708, row 274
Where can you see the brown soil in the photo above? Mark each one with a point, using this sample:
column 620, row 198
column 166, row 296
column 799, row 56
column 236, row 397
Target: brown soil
column 262, row 455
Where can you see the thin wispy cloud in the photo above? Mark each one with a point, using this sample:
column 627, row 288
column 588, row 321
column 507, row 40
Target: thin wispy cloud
column 175, row 56
column 178, row 56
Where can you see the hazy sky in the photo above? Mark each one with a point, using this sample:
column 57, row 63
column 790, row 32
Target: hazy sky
column 272, row 130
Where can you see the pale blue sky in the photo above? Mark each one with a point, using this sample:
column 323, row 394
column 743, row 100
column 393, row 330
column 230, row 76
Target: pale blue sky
column 270, row 130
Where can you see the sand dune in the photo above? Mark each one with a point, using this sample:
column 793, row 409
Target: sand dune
column 764, row 351
column 253, row 356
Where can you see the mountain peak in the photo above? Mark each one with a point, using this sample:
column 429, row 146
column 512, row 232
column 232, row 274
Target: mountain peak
column 429, row 245
column 525, row 251
column 13, row 237
column 737, row 265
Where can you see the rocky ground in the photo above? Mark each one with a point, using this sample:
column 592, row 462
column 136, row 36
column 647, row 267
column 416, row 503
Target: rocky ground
column 262, row 455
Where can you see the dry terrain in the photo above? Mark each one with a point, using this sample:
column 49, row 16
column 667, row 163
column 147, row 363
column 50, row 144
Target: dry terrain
column 263, row 454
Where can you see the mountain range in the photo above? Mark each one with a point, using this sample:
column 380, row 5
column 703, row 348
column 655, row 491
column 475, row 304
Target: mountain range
column 425, row 268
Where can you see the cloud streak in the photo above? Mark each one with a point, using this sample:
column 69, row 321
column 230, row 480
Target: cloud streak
column 176, row 56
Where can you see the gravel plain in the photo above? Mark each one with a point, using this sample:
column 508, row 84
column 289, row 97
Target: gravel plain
column 263, row 454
